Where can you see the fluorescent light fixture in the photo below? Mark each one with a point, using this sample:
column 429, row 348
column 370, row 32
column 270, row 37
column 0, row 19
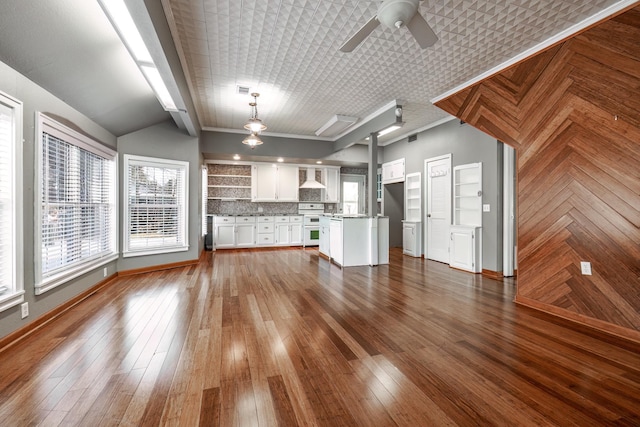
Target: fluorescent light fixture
column 387, row 130
column 336, row 124
column 157, row 84
column 121, row 19
column 390, row 129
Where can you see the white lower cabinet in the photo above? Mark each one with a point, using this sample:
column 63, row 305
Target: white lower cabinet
column 234, row 232
column 335, row 241
column 266, row 231
column 253, row 231
column 411, row 241
column 324, row 243
column 224, row 232
column 466, row 248
column 288, row 230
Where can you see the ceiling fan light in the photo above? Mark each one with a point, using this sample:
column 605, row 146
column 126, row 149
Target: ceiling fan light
column 252, row 140
column 255, row 125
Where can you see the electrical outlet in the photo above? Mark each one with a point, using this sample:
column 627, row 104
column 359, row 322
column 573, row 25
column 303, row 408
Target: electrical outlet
column 585, row 266
column 104, row 272
column 24, row 309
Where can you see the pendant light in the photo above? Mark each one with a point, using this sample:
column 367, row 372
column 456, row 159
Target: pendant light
column 254, row 124
column 252, row 140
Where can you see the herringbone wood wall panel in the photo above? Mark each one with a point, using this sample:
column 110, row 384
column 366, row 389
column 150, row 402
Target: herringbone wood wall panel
column 573, row 115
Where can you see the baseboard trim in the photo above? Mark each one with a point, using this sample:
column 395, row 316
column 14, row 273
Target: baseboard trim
column 495, row 275
column 158, row 267
column 588, row 322
column 23, row 332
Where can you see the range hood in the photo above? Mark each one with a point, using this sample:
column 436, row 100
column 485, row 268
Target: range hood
column 311, row 180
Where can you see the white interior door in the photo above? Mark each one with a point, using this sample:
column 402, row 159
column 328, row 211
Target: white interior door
column 438, row 207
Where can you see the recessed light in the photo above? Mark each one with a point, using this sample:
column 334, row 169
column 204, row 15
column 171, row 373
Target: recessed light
column 319, row 162
column 236, row 157
column 280, row 159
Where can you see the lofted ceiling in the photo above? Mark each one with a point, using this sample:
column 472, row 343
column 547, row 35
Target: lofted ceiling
column 287, row 50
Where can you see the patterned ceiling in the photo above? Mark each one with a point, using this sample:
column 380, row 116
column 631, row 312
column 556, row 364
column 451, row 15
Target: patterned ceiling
column 287, row 50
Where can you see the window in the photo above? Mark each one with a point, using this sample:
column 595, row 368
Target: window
column 155, row 206
column 11, row 264
column 76, row 218
column 352, row 194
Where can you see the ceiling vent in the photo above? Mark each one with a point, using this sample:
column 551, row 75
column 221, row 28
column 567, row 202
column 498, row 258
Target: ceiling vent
column 243, row 90
column 412, row 138
column 337, row 124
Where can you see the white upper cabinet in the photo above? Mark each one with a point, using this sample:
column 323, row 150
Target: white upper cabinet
column 393, row 171
column 274, row 183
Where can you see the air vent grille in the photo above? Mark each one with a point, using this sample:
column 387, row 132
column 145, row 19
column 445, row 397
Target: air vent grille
column 412, row 138
column 243, row 90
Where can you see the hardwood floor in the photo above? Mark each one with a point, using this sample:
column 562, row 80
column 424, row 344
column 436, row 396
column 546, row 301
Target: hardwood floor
column 283, row 337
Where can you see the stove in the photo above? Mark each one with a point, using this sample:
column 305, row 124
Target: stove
column 311, row 213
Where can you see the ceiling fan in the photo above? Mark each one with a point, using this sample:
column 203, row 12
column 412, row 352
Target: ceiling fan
column 395, row 14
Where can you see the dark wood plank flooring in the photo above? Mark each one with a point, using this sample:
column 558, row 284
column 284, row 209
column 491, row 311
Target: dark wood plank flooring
column 283, row 337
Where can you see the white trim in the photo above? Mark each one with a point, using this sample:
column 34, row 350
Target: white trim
column 563, row 35
column 508, row 211
column 45, row 124
column 16, row 294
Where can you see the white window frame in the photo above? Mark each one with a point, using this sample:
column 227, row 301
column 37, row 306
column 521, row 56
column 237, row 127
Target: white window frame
column 47, row 281
column 15, row 295
column 182, row 206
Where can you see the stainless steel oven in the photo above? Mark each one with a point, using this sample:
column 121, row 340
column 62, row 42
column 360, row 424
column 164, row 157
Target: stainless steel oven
column 311, row 222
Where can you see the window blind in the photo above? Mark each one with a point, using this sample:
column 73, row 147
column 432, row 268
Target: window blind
column 156, row 206
column 77, row 209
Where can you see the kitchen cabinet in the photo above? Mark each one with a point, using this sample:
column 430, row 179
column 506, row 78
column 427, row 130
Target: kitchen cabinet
column 274, row 183
column 324, row 243
column 466, row 248
column 393, row 171
column 467, row 182
column 224, row 232
column 350, row 241
column 411, row 238
column 245, row 232
column 288, row 230
column 335, row 240
column 331, row 181
column 234, row 232
column 266, row 231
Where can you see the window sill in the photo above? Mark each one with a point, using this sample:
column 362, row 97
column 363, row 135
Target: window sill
column 155, row 251
column 11, row 300
column 62, row 278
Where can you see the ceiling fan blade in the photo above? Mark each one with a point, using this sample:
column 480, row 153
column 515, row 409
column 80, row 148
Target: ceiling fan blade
column 360, row 35
column 421, row 31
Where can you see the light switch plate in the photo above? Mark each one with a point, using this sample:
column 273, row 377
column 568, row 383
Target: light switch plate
column 486, row 208
column 585, row 266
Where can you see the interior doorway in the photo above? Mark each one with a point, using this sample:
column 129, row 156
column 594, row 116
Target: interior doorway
column 437, row 173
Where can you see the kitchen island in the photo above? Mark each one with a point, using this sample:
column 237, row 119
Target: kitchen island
column 355, row 240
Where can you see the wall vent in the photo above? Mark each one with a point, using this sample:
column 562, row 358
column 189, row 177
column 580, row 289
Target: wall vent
column 243, row 90
column 412, row 138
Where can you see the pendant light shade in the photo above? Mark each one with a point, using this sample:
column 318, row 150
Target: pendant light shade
column 252, row 140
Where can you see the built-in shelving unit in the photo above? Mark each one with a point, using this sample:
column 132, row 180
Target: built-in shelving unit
column 413, row 196
column 467, row 181
column 228, row 182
